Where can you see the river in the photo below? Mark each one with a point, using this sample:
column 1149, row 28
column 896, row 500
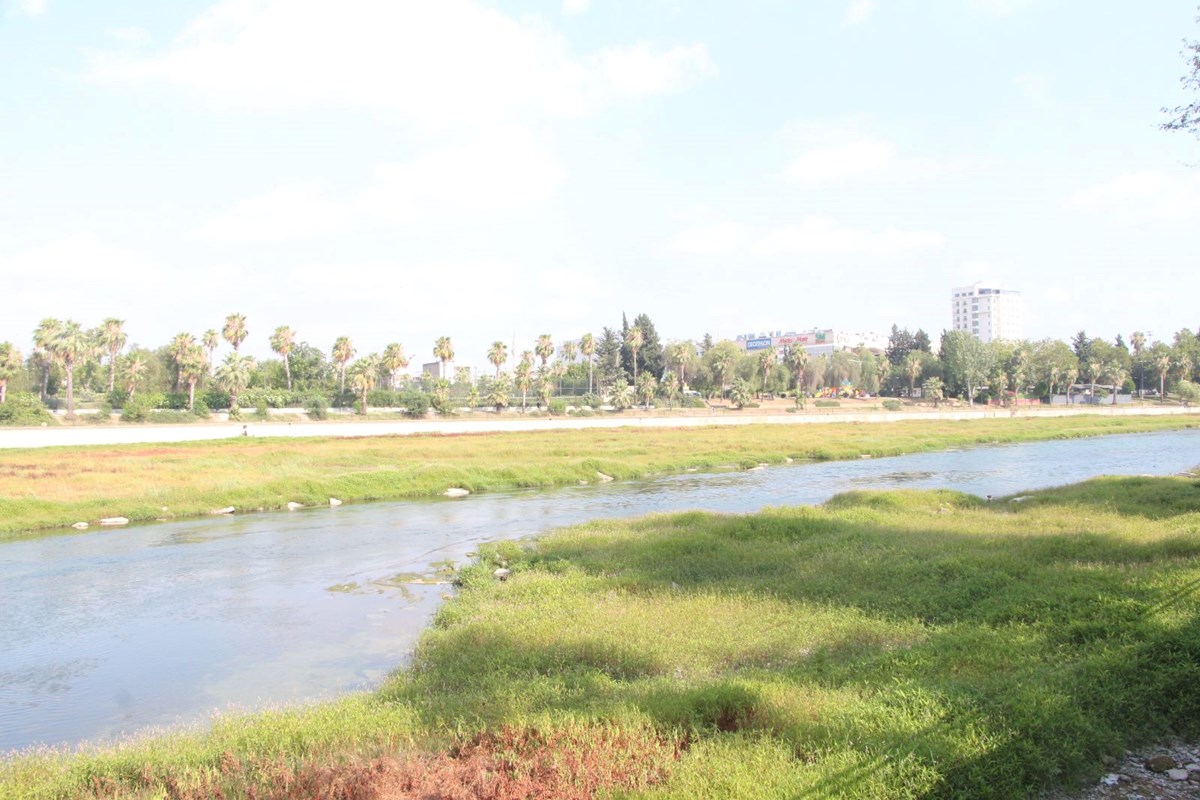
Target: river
column 111, row 632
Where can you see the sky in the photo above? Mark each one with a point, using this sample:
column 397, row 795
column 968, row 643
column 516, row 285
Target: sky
column 398, row 171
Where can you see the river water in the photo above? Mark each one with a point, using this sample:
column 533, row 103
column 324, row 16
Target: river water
column 110, row 632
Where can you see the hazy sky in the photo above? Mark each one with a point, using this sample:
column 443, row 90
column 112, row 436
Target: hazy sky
column 396, row 171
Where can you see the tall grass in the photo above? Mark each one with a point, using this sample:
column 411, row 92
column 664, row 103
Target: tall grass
column 60, row 486
column 886, row 644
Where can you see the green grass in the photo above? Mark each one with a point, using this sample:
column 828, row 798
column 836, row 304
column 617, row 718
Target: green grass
column 55, row 487
column 884, row 645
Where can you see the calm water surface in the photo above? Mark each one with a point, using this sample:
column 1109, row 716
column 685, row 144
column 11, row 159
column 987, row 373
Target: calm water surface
column 112, row 631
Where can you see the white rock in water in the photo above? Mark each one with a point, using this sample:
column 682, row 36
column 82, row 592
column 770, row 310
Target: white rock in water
column 787, row 460
column 293, row 506
column 79, row 526
column 225, row 510
column 600, row 476
column 114, row 521
column 333, row 502
column 1178, row 774
column 455, row 491
column 759, row 468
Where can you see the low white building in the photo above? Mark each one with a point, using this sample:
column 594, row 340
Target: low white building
column 818, row 341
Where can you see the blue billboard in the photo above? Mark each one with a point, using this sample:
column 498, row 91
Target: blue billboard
column 758, row 344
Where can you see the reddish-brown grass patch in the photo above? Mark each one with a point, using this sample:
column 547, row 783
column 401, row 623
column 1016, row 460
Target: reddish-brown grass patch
column 504, row 765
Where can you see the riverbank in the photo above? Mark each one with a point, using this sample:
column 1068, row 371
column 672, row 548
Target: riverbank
column 891, row 644
column 296, row 426
column 58, row 487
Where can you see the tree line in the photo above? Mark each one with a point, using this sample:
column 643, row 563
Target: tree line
column 621, row 365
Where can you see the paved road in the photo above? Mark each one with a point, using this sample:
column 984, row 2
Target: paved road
column 12, row 438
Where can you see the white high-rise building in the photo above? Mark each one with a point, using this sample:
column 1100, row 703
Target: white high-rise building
column 988, row 312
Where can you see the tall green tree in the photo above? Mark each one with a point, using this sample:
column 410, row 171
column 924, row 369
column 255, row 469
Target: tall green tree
column 766, row 362
column 364, row 376
column 669, row 388
column 341, row 353
column 394, row 360
column 967, row 361
column 112, row 339
column 234, row 376
column 913, row 366
column 192, row 367
column 135, row 372
column 10, row 364
column 498, row 354
column 544, row 349
column 633, row 340
column 796, row 358
column 282, row 341
column 70, row 347
column 498, row 392
column 587, row 346
column 443, row 351
column 680, row 356
column 235, row 330
column 524, row 377
column 647, row 387
column 569, row 351
column 44, row 337
column 180, row 347
column 210, row 341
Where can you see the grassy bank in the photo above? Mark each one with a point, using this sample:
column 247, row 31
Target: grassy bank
column 48, row 488
column 894, row 644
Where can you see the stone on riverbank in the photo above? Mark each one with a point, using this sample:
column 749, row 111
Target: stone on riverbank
column 456, row 491
column 115, row 521
column 293, row 506
column 334, row 502
column 79, row 526
column 216, row 512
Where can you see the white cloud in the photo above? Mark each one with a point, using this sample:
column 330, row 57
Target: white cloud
column 814, row 236
column 506, row 170
column 823, row 236
column 28, row 8
column 859, row 11
column 858, row 157
column 575, row 6
column 433, row 64
column 129, row 35
column 1143, row 196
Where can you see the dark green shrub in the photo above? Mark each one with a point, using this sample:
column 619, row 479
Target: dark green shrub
column 558, row 406
column 117, row 398
column 23, row 408
column 893, row 405
column 692, row 402
column 170, row 416
column 136, row 409
column 215, row 398
column 200, row 409
column 175, row 401
column 416, row 404
column 316, row 406
column 262, row 413
column 592, row 400
column 103, row 414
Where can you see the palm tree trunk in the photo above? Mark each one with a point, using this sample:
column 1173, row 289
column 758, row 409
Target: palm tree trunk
column 191, row 395
column 112, row 372
column 45, row 381
column 287, row 370
column 71, row 391
column 342, row 390
column 3, row 389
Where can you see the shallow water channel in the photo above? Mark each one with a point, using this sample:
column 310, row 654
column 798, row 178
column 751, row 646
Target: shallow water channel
column 109, row 632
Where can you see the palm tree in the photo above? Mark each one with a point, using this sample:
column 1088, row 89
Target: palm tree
column 71, row 345
column 1138, row 340
column 670, row 388
column 363, row 377
column 913, row 366
column 135, row 370
column 524, row 374
column 10, row 363
column 682, row 355
column 498, row 392
column 235, row 330
column 443, row 351
column 634, row 340
column 192, row 368
column 498, row 354
column 43, row 348
column 281, row 342
column 570, row 351
column 343, row 351
column 112, row 339
column 234, row 375
column 647, row 386
column 739, row 393
column 394, row 360
column 587, row 346
column 933, row 389
column 1163, row 364
column 210, row 341
column 180, row 347
column 544, row 349
column 797, row 362
column 766, row 360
